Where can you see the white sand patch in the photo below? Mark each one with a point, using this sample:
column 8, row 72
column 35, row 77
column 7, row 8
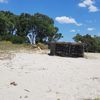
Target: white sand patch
column 42, row 77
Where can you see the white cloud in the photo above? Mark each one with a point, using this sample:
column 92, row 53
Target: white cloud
column 82, row 5
column 93, row 8
column 3, row 1
column 90, row 29
column 89, row 4
column 72, row 30
column 67, row 20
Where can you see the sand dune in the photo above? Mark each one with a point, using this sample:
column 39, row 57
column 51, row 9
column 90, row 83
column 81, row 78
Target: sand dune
column 38, row 76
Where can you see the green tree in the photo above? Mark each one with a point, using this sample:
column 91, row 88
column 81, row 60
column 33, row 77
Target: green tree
column 45, row 29
column 40, row 26
column 97, row 40
column 23, row 26
column 88, row 41
column 78, row 38
column 7, row 24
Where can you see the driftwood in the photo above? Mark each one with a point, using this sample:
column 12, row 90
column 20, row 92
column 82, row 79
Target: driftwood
column 67, row 49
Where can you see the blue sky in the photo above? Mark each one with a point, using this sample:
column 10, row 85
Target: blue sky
column 70, row 16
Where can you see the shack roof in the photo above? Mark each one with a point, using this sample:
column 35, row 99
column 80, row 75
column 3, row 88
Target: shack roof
column 67, row 43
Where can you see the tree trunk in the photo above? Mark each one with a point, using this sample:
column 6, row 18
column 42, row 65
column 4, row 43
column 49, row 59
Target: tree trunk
column 33, row 39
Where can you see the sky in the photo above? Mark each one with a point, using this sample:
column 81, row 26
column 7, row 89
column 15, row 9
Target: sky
column 70, row 16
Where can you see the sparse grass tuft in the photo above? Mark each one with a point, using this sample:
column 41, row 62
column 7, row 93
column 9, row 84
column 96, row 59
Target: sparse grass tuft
column 42, row 46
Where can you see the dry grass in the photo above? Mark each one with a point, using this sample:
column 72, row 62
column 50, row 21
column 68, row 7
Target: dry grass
column 7, row 49
column 42, row 46
column 7, row 46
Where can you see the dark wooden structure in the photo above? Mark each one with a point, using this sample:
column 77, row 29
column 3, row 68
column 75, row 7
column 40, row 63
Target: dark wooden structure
column 67, row 49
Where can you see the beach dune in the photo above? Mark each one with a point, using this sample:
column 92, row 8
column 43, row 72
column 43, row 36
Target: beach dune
column 38, row 76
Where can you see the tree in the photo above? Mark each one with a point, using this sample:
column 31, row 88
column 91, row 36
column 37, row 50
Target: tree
column 88, row 41
column 37, row 27
column 7, row 24
column 78, row 38
column 44, row 28
column 54, row 35
column 97, row 40
column 3, row 26
column 23, row 25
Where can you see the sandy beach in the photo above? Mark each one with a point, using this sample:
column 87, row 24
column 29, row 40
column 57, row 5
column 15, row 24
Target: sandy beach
column 38, row 76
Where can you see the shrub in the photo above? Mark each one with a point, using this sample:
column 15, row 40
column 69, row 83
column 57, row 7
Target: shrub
column 18, row 39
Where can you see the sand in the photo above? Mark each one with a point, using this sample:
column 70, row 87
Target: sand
column 38, row 76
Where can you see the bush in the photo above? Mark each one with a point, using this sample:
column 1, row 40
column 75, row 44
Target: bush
column 5, row 37
column 18, row 39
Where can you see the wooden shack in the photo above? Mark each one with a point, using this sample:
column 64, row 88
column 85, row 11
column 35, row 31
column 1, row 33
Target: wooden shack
column 67, row 49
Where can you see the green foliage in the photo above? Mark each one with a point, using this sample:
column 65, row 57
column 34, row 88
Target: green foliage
column 97, row 43
column 9, row 20
column 6, row 37
column 40, row 25
column 78, row 38
column 23, row 24
column 91, row 44
column 44, row 27
column 18, row 39
column 3, row 26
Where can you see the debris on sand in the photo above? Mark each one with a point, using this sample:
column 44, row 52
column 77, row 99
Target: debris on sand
column 13, row 83
column 26, row 90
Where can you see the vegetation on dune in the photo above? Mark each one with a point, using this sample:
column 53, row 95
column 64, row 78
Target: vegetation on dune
column 6, row 46
column 38, row 29
column 27, row 28
column 9, row 46
column 91, row 43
